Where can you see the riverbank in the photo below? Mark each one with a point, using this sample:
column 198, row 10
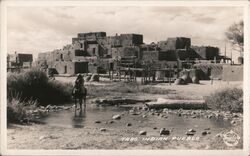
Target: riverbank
column 97, row 129
column 105, row 132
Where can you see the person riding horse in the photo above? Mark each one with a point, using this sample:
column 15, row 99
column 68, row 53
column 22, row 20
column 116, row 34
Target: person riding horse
column 79, row 80
column 79, row 92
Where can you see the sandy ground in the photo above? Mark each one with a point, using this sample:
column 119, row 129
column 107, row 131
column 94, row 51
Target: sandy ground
column 38, row 136
column 195, row 91
column 87, row 138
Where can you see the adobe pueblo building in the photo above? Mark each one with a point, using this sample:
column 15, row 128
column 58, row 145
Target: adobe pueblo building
column 95, row 52
column 19, row 62
column 91, row 52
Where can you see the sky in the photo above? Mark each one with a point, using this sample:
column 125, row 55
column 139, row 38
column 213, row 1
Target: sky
column 40, row 29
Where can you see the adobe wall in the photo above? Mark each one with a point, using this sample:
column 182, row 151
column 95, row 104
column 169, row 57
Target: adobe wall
column 43, row 56
column 212, row 52
column 104, row 64
column 167, row 45
column 232, row 73
column 115, row 52
column 169, row 55
column 130, row 51
column 183, row 54
column 166, row 64
column 91, row 34
column 121, row 40
column 208, row 70
column 24, row 58
column 131, row 39
column 206, row 53
column 183, row 43
column 150, row 56
column 175, row 43
column 63, row 67
column 67, row 55
column 93, row 50
column 137, row 39
column 92, row 68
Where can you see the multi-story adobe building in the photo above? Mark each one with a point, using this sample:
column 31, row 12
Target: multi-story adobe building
column 95, row 52
column 91, row 52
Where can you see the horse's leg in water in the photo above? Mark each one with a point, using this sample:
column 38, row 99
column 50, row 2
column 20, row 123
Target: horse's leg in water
column 84, row 106
column 84, row 103
column 80, row 102
column 75, row 105
column 84, row 98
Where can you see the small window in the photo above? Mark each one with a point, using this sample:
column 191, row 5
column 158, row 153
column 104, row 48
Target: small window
column 81, row 53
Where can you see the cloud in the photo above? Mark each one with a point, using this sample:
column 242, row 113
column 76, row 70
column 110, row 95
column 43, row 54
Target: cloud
column 38, row 29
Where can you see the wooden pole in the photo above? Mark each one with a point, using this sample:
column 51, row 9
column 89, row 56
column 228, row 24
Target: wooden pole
column 109, row 71
column 177, row 68
column 135, row 75
column 112, row 75
column 154, row 76
column 170, row 75
column 164, row 73
column 142, row 74
column 119, row 72
column 129, row 74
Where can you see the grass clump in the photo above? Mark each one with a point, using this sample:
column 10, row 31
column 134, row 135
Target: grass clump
column 230, row 99
column 34, row 84
column 19, row 111
column 121, row 87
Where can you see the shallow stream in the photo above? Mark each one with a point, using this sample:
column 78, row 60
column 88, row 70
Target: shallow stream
column 93, row 113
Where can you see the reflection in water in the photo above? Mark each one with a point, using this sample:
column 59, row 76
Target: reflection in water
column 79, row 119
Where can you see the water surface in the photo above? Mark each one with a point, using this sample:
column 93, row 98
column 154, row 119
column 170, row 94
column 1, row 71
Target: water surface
column 180, row 125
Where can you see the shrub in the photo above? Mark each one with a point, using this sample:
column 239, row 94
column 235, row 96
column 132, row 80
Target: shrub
column 19, row 111
column 34, row 84
column 57, row 92
column 230, row 99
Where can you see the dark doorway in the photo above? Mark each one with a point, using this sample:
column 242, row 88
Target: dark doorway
column 61, row 57
column 111, row 66
column 65, row 69
column 81, row 67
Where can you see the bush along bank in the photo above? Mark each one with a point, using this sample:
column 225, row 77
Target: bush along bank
column 229, row 99
column 35, row 84
column 22, row 112
column 29, row 112
column 29, row 92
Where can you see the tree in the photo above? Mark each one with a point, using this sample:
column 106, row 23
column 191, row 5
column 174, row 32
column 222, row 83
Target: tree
column 235, row 34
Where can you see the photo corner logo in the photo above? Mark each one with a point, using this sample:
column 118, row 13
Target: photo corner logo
column 231, row 138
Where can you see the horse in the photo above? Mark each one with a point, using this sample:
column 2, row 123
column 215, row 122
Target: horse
column 79, row 93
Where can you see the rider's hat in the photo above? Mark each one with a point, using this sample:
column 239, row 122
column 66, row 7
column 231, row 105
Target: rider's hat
column 79, row 75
